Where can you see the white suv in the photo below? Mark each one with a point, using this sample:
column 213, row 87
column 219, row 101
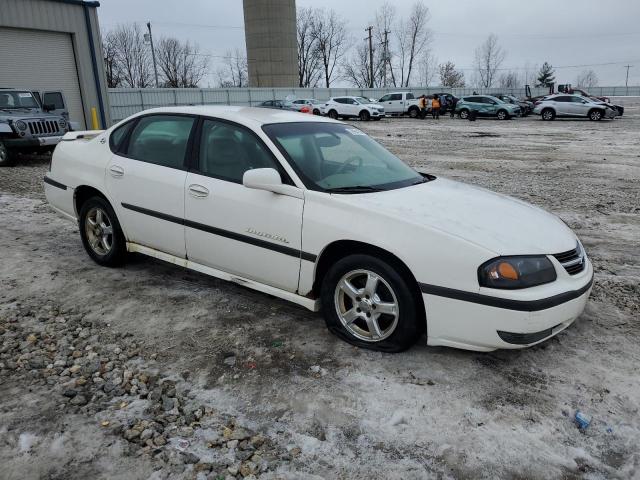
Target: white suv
column 573, row 106
column 350, row 107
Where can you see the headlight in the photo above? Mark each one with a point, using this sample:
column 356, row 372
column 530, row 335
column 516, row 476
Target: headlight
column 62, row 123
column 516, row 272
column 20, row 125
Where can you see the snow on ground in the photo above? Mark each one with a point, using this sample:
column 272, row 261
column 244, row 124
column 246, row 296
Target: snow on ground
column 274, row 369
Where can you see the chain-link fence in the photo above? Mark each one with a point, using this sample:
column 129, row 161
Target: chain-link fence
column 127, row 101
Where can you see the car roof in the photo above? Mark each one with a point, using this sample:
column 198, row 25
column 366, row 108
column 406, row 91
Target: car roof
column 252, row 116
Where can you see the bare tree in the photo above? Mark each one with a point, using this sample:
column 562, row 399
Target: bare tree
column 385, row 18
column 356, row 68
column 412, row 36
column 330, row 33
column 449, row 76
column 587, row 79
column 111, row 65
column 181, row 64
column 489, row 57
column 509, row 80
column 130, row 56
column 309, row 71
column 234, row 73
column 428, row 68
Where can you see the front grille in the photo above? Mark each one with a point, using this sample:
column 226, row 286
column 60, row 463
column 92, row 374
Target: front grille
column 39, row 128
column 572, row 260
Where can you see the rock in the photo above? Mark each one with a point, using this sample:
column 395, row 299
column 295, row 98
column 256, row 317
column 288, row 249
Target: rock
column 131, row 434
column 146, row 434
column 167, row 403
column 239, row 434
column 75, row 369
column 257, row 440
column 79, row 400
column 37, row 362
column 232, row 444
column 231, row 360
column 70, row 392
column 248, row 468
column 189, row 457
column 244, row 454
column 31, row 338
column 160, row 440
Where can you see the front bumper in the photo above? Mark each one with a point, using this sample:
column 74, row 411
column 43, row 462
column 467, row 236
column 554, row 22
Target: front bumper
column 461, row 322
column 32, row 142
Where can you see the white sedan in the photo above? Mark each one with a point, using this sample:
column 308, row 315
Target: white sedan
column 316, row 212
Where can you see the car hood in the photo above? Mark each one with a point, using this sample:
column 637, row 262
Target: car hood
column 20, row 115
column 496, row 222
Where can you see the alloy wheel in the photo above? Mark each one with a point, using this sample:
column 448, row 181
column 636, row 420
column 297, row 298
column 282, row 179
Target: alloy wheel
column 464, row 114
column 547, row 115
column 99, row 231
column 502, row 115
column 596, row 115
column 366, row 305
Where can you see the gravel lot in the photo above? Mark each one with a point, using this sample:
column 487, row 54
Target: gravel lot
column 152, row 371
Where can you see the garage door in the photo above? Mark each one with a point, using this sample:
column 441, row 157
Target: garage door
column 41, row 60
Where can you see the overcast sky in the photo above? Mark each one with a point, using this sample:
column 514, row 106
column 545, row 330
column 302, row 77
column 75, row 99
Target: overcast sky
column 602, row 34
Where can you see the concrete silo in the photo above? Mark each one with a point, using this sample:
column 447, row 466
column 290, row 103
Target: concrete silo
column 270, row 34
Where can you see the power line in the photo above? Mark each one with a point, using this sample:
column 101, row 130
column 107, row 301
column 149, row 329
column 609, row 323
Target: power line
column 370, row 29
column 626, row 83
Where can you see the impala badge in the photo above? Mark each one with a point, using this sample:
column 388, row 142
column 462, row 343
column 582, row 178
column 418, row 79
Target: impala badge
column 277, row 238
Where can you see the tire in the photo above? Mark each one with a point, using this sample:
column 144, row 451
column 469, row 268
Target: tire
column 595, row 115
column 502, row 115
column 377, row 119
column 364, row 116
column 414, row 112
column 6, row 156
column 548, row 115
column 105, row 249
column 463, row 114
column 333, row 114
column 316, row 111
column 397, row 330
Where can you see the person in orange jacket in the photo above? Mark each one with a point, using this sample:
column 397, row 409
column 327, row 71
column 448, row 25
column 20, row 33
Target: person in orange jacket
column 435, row 107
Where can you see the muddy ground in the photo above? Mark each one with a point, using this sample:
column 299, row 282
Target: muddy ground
column 152, row 371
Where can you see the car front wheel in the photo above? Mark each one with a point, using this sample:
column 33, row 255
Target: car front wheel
column 101, row 234
column 365, row 116
column 595, row 115
column 368, row 303
column 548, row 114
column 502, row 115
column 464, row 114
column 6, row 157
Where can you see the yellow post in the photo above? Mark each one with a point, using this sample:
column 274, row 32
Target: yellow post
column 94, row 119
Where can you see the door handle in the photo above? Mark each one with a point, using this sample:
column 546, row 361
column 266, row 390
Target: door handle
column 116, row 171
column 198, row 191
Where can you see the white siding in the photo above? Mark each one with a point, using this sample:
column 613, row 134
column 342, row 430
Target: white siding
column 41, row 60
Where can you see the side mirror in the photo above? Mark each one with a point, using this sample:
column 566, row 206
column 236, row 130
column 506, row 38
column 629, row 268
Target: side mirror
column 47, row 107
column 268, row 179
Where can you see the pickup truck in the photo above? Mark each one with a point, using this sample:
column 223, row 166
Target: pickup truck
column 400, row 103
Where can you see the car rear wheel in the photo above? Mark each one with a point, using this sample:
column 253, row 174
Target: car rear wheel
column 333, row 114
column 364, row 116
column 316, row 111
column 464, row 114
column 101, row 234
column 595, row 114
column 6, row 157
column 502, row 115
column 548, row 114
column 368, row 303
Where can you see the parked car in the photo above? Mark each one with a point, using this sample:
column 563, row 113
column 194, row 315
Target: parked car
column 526, row 107
column 576, row 106
column 353, row 107
column 486, row 106
column 316, row 212
column 278, row 104
column 400, row 103
column 313, row 105
column 25, row 125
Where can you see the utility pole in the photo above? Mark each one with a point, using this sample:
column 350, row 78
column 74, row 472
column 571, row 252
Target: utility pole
column 153, row 53
column 626, row 83
column 369, row 29
column 385, row 56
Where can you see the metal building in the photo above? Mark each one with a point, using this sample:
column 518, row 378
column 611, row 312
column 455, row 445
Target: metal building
column 270, row 34
column 55, row 45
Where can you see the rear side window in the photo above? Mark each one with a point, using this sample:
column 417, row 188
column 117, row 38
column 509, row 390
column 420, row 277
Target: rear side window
column 561, row 99
column 161, row 139
column 396, row 96
column 55, row 99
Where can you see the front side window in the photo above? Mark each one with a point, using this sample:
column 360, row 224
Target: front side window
column 55, row 99
column 386, row 98
column 227, row 151
column 333, row 157
column 161, row 139
column 410, row 96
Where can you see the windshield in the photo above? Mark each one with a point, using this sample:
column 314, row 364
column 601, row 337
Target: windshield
column 17, row 99
column 333, row 157
column 362, row 100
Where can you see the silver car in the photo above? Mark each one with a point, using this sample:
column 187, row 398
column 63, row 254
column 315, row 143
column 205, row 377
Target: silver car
column 312, row 103
column 576, row 106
